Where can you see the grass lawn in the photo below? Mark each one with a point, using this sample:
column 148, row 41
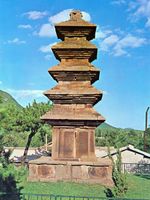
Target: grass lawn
column 61, row 188
column 139, row 187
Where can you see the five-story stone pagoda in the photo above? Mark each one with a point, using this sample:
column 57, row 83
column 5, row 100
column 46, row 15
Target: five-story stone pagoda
column 72, row 117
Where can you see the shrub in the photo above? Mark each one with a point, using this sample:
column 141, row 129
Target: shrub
column 120, row 182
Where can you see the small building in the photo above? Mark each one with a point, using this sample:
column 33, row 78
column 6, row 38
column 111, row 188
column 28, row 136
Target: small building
column 133, row 159
column 100, row 152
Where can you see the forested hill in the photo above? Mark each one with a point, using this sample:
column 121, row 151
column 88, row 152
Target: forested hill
column 6, row 100
column 106, row 126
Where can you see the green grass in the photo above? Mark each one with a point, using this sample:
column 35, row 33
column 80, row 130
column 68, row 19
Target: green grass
column 139, row 187
column 61, row 188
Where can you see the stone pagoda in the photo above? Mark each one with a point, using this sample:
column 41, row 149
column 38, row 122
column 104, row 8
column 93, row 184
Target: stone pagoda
column 73, row 118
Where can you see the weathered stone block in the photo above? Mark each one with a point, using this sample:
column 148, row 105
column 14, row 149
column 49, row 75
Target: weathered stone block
column 97, row 172
column 75, row 171
column 63, row 172
column 46, row 171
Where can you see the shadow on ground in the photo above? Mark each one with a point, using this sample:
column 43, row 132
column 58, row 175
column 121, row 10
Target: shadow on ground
column 146, row 176
column 8, row 188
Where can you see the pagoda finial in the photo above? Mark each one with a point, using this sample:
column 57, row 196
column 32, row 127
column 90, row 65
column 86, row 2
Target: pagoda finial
column 76, row 15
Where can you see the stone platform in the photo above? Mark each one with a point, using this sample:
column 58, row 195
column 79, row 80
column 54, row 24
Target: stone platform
column 45, row 169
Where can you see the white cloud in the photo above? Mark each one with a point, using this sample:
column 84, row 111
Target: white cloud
column 128, row 41
column 131, row 41
column 119, row 51
column 25, row 26
column 86, row 16
column 102, row 32
column 108, row 42
column 16, row 41
column 25, row 93
column 48, row 57
column 47, row 30
column 47, row 48
column 34, row 15
column 118, row 2
column 64, row 16
column 59, row 17
column 140, row 9
column 119, row 43
column 105, row 92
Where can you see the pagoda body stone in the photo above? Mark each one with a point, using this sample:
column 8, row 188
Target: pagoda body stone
column 73, row 118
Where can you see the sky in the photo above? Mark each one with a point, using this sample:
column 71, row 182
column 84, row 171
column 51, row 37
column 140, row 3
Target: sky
column 123, row 42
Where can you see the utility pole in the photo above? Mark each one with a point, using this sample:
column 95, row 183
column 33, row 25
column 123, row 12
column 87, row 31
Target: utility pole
column 146, row 127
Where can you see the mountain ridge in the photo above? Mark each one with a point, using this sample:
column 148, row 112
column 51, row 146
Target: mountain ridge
column 6, row 99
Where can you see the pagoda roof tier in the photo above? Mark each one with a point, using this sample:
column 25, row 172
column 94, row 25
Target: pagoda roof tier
column 75, row 49
column 74, row 73
column 75, row 27
column 68, row 30
column 74, row 92
column 73, row 115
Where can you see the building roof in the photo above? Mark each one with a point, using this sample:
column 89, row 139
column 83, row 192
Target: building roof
column 130, row 148
column 102, row 151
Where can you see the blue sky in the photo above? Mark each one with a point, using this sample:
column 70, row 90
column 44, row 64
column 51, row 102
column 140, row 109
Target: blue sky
column 122, row 38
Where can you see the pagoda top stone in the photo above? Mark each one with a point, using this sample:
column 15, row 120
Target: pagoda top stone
column 75, row 27
column 76, row 15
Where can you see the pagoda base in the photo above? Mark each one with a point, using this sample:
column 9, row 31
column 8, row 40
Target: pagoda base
column 45, row 169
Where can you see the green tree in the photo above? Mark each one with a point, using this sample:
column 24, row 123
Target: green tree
column 29, row 120
column 1, row 99
column 17, row 124
column 120, row 183
column 118, row 137
column 1, row 142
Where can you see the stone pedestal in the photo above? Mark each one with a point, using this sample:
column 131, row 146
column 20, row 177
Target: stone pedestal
column 47, row 170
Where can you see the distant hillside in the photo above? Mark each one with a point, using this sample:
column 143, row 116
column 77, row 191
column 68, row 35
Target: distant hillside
column 106, row 126
column 6, row 99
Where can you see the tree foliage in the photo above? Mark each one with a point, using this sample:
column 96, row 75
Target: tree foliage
column 119, row 137
column 29, row 120
column 22, row 125
column 119, row 178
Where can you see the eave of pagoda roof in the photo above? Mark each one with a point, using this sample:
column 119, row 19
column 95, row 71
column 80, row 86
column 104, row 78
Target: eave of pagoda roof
column 64, row 72
column 75, row 114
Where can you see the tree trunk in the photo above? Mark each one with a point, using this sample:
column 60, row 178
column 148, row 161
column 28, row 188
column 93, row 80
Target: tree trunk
column 27, row 147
